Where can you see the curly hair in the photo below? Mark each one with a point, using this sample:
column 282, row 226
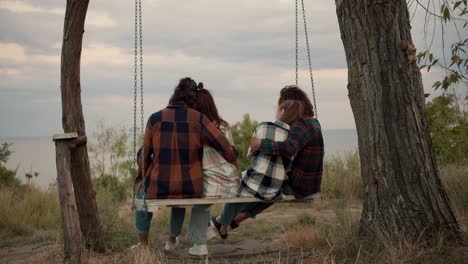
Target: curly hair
column 293, row 92
column 185, row 91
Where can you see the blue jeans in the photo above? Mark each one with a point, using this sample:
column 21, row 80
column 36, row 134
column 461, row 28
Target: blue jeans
column 198, row 225
column 231, row 210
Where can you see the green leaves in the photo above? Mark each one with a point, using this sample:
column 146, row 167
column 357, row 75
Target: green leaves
column 445, row 11
column 448, row 125
column 242, row 134
column 5, row 152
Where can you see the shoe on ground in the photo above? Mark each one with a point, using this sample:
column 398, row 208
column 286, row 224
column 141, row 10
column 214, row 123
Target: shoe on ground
column 137, row 246
column 217, row 225
column 210, row 232
column 198, row 250
column 169, row 246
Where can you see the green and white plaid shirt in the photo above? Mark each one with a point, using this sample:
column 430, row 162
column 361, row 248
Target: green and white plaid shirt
column 221, row 178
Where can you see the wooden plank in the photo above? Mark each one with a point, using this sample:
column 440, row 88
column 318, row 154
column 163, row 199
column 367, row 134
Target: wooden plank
column 152, row 205
column 65, row 136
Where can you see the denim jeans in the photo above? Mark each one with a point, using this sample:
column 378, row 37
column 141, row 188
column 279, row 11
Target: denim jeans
column 231, row 210
column 198, row 225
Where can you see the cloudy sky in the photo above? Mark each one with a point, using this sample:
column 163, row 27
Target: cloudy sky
column 242, row 50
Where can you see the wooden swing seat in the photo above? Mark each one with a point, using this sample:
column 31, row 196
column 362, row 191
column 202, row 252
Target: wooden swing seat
column 152, row 205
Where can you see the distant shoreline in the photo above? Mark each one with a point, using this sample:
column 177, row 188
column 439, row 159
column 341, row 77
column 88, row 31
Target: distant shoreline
column 6, row 138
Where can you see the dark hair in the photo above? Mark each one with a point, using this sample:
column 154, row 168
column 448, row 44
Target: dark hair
column 293, row 92
column 293, row 110
column 205, row 104
column 186, row 91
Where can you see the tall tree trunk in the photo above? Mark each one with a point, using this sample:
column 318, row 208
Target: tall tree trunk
column 73, row 121
column 402, row 187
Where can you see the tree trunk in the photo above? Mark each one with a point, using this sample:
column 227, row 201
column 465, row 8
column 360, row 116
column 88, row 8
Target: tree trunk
column 73, row 121
column 402, row 188
column 71, row 225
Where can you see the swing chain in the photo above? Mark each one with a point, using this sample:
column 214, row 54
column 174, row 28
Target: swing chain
column 308, row 56
column 135, row 81
column 138, row 60
column 297, row 48
column 141, row 66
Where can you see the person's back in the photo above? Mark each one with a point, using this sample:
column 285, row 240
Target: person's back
column 266, row 173
column 175, row 137
column 307, row 167
column 221, row 178
column 304, row 141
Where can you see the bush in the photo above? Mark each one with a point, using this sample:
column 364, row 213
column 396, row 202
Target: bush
column 342, row 177
column 24, row 210
column 455, row 179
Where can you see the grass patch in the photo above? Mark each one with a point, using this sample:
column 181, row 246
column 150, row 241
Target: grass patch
column 26, row 211
column 342, row 177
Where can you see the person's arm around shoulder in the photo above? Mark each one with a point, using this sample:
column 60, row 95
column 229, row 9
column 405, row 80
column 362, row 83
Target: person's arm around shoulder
column 297, row 138
column 215, row 139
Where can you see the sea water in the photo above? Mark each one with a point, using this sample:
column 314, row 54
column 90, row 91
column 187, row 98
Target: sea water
column 38, row 154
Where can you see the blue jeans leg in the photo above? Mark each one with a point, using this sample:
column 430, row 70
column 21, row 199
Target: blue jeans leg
column 198, row 225
column 253, row 209
column 142, row 219
column 230, row 211
column 143, row 222
column 177, row 221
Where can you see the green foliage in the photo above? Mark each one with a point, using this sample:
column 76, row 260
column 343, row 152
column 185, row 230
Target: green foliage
column 7, row 177
column 112, row 165
column 457, row 71
column 5, row 152
column 449, row 129
column 117, row 221
column 242, row 134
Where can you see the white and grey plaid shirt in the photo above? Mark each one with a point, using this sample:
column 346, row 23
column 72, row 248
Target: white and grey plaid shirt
column 266, row 174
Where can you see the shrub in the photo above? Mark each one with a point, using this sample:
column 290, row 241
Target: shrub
column 342, row 177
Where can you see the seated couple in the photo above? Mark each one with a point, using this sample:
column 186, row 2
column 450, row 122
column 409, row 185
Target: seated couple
column 188, row 153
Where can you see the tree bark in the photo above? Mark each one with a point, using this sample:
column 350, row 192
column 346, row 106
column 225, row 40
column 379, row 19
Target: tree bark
column 73, row 121
column 402, row 188
column 71, row 225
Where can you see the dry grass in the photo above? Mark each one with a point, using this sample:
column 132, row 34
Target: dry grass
column 30, row 213
column 32, row 216
column 455, row 179
column 342, row 177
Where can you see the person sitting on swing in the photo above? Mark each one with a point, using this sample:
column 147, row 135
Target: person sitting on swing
column 172, row 164
column 304, row 143
column 266, row 173
column 221, row 178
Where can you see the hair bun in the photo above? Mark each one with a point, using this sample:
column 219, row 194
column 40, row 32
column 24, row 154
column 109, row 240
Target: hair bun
column 200, row 86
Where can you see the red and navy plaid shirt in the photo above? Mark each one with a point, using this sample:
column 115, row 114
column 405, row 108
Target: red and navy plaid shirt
column 173, row 147
column 305, row 142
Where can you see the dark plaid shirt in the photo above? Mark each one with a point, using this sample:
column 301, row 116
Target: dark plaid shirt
column 174, row 138
column 305, row 142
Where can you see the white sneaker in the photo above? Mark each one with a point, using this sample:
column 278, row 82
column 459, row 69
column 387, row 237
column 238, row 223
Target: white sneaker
column 198, row 250
column 210, row 232
column 169, row 246
column 137, row 246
